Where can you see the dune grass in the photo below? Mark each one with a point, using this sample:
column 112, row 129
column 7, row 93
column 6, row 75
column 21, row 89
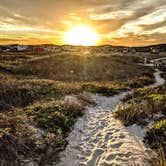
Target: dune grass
column 71, row 67
column 54, row 116
column 35, row 78
column 32, row 121
column 20, row 93
column 144, row 106
column 35, row 130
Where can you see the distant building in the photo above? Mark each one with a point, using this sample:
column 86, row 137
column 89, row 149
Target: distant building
column 22, row 48
column 38, row 49
column 15, row 48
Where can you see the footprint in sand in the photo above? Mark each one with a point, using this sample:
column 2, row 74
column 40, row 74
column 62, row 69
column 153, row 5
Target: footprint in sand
column 94, row 156
column 122, row 136
column 111, row 157
column 117, row 145
column 108, row 136
column 117, row 130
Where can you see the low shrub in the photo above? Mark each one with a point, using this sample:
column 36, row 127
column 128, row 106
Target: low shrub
column 14, row 93
column 53, row 116
column 140, row 81
column 35, row 130
column 131, row 113
column 142, row 105
column 17, row 137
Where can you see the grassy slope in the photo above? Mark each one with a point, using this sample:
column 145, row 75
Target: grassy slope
column 31, row 86
column 35, row 77
column 70, row 67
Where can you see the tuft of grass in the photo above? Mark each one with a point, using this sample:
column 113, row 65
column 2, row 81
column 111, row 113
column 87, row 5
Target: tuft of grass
column 130, row 113
column 56, row 119
column 140, row 81
column 20, row 93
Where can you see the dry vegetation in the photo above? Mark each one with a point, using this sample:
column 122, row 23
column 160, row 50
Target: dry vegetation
column 70, row 67
column 32, row 121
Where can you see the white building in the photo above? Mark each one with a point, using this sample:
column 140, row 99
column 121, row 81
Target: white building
column 21, row 48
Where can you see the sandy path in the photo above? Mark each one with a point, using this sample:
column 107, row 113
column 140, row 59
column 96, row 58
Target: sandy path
column 98, row 139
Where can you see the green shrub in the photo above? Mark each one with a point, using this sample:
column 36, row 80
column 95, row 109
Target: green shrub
column 157, row 135
column 142, row 105
column 53, row 116
column 155, row 138
column 20, row 130
column 72, row 110
column 130, row 113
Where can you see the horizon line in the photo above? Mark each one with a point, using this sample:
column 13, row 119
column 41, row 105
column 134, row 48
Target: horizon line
column 82, row 45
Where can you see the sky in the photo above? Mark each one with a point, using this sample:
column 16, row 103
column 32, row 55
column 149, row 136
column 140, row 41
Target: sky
column 118, row 22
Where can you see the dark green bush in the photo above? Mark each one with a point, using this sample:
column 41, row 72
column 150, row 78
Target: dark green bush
column 53, row 116
column 156, row 135
column 156, row 139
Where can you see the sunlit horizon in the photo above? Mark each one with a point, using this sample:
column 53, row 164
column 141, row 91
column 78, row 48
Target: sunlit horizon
column 81, row 35
column 125, row 23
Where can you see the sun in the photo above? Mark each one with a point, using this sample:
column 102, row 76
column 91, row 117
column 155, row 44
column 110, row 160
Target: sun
column 81, row 35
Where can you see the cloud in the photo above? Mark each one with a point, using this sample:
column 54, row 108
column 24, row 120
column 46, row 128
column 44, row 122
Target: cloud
column 114, row 20
column 132, row 39
column 146, row 27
